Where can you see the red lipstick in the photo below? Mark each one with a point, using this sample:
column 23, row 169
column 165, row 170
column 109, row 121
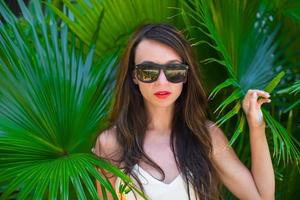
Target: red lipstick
column 162, row 94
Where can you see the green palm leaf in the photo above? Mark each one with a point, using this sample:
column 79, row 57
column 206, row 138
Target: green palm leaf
column 289, row 13
column 289, row 8
column 109, row 23
column 293, row 89
column 53, row 102
column 282, row 140
column 244, row 35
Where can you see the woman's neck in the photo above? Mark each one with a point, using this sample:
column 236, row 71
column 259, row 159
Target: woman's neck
column 160, row 119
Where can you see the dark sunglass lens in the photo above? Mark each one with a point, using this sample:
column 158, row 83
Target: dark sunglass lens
column 176, row 75
column 147, row 74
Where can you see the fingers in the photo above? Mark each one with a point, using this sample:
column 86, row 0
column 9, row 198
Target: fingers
column 257, row 98
column 262, row 101
column 259, row 93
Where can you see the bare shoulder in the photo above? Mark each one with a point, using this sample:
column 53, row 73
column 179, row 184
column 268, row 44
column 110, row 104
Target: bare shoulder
column 107, row 145
column 218, row 138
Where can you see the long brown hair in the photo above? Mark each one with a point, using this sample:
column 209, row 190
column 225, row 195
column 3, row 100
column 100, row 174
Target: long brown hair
column 190, row 140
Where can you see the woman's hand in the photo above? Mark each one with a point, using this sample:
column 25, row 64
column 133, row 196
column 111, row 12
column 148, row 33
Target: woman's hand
column 252, row 107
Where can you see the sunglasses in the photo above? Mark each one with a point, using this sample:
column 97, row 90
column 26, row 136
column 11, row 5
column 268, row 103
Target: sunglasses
column 148, row 72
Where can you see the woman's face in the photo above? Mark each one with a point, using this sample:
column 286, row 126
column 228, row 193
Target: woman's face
column 155, row 93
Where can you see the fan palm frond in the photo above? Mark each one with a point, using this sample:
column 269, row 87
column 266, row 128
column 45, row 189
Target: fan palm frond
column 108, row 24
column 244, row 35
column 53, row 102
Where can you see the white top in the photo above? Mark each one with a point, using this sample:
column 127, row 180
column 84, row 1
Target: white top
column 157, row 190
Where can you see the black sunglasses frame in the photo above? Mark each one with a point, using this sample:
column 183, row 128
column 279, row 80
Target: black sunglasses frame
column 163, row 67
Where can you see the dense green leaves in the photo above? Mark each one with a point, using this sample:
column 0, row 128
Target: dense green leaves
column 55, row 93
column 53, row 102
column 293, row 89
column 243, row 34
column 108, row 24
column 285, row 8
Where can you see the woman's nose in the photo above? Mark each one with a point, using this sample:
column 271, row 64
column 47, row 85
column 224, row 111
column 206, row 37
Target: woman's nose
column 162, row 77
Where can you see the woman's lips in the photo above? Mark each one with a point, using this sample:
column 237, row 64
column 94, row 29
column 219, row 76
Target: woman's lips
column 162, row 94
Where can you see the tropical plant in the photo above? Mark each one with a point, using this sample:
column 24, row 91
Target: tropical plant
column 247, row 35
column 53, row 102
column 56, row 84
column 242, row 34
column 108, row 24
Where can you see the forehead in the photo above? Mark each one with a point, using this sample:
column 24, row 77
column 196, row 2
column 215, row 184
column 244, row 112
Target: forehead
column 154, row 51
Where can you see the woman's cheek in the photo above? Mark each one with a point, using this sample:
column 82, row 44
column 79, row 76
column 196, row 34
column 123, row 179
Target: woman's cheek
column 177, row 90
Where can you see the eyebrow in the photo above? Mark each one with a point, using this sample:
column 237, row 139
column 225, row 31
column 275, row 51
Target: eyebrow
column 169, row 62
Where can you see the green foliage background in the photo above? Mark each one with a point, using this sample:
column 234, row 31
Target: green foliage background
column 57, row 70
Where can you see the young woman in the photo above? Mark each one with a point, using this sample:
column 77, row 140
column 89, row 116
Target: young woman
column 159, row 132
